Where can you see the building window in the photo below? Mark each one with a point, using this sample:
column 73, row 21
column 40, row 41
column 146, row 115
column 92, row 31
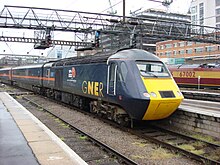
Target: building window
column 161, row 54
column 217, row 2
column 189, row 51
column 193, row 9
column 198, row 50
column 217, row 11
column 188, row 43
column 210, row 48
column 168, row 53
column 161, row 47
column 201, row 13
column 174, row 52
column 182, row 51
column 201, row 21
column 181, row 44
column 168, row 46
column 218, row 19
column 175, row 45
column 194, row 19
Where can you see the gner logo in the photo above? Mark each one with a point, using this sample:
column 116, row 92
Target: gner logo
column 72, row 73
column 92, row 88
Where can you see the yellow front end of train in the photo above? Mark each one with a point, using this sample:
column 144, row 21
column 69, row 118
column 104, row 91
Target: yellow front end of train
column 162, row 91
column 165, row 97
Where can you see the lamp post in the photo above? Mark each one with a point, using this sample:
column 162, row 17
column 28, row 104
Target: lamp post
column 123, row 11
column 199, row 82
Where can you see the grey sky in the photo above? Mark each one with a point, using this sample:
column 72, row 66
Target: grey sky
column 180, row 6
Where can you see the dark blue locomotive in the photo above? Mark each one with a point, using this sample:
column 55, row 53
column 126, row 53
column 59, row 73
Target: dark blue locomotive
column 128, row 84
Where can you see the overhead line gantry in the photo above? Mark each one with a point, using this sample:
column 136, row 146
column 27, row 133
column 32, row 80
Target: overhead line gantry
column 87, row 23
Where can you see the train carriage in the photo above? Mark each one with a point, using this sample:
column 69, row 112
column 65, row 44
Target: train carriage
column 28, row 77
column 5, row 74
column 48, row 76
column 197, row 76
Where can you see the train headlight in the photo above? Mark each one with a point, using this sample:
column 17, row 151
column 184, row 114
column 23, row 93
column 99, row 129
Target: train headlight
column 146, row 94
column 179, row 93
column 153, row 94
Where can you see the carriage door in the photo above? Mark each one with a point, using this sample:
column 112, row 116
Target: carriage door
column 111, row 82
column 59, row 78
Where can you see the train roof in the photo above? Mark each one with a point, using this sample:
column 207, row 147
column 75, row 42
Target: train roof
column 8, row 68
column 28, row 66
column 135, row 54
column 131, row 54
column 192, row 66
column 49, row 64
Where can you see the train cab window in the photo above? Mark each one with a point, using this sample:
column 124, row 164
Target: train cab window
column 152, row 69
column 124, row 71
column 111, row 85
column 112, row 74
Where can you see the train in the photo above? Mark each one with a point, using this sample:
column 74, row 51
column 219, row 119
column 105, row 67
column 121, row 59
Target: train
column 124, row 85
column 197, row 75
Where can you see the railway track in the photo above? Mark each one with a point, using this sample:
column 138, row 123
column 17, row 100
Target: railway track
column 200, row 150
column 87, row 147
column 203, row 151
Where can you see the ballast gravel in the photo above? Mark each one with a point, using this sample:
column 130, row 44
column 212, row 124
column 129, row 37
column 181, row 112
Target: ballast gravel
column 139, row 150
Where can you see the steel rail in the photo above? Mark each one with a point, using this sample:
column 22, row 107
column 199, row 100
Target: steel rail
column 171, row 147
column 183, row 136
column 192, row 155
column 120, row 157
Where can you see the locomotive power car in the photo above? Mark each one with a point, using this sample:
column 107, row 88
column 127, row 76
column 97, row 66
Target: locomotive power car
column 197, row 75
column 124, row 85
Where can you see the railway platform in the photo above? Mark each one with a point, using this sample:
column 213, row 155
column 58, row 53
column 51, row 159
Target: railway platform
column 201, row 107
column 24, row 140
column 201, row 95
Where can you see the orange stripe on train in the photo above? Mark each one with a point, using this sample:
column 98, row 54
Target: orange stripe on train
column 35, row 77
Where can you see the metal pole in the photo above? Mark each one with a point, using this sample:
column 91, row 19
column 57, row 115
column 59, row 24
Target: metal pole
column 123, row 11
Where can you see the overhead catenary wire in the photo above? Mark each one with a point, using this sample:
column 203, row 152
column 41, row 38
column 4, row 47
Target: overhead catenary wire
column 9, row 47
column 111, row 6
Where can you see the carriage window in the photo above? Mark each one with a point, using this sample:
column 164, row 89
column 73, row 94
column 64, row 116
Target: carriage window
column 152, row 69
column 48, row 73
column 52, row 74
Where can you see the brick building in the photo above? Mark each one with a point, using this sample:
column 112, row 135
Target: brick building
column 204, row 13
column 178, row 52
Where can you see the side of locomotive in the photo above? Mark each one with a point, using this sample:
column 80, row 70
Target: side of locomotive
column 128, row 84
column 196, row 76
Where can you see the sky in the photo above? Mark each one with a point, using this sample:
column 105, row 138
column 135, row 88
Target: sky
column 98, row 6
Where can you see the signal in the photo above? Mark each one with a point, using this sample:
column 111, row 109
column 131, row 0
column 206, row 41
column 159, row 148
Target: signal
column 97, row 39
column 133, row 40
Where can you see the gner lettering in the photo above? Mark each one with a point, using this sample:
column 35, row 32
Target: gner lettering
column 92, row 88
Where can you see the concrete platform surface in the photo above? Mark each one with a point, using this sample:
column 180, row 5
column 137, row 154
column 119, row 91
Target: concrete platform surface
column 24, row 140
column 208, row 108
